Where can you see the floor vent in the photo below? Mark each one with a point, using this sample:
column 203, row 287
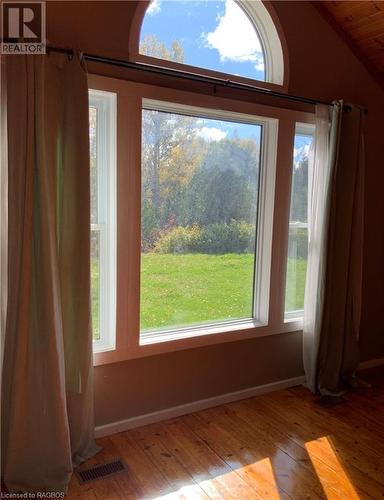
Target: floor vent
column 100, row 471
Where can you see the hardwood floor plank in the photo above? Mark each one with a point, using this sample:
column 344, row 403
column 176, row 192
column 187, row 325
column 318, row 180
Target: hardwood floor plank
column 247, row 450
column 259, row 423
column 146, row 479
column 345, row 436
column 214, row 476
column 149, row 439
column 290, row 424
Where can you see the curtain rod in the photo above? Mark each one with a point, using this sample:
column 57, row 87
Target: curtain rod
column 186, row 75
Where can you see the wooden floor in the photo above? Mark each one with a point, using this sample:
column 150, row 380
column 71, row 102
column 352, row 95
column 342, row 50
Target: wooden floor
column 280, row 445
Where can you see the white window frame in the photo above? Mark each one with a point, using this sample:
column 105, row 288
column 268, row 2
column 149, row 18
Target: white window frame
column 106, row 104
column 307, row 130
column 263, row 250
column 271, row 321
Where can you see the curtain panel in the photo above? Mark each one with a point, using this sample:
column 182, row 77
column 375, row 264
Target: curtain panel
column 47, row 393
column 334, row 275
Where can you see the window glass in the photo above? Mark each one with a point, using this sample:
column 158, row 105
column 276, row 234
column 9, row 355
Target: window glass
column 200, row 180
column 103, row 199
column 298, row 222
column 95, row 233
column 212, row 34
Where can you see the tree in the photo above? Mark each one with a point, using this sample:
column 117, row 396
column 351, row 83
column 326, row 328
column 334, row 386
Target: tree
column 299, row 203
column 224, row 188
column 153, row 47
column 169, row 157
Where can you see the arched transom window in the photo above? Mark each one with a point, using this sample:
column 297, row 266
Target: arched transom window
column 220, row 36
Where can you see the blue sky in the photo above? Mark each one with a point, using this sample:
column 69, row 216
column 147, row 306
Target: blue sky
column 215, row 130
column 301, row 147
column 215, row 34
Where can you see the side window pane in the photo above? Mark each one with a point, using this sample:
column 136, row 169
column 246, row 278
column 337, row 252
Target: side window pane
column 93, row 163
column 298, row 223
column 200, row 180
column 102, row 138
column 95, row 235
column 95, row 282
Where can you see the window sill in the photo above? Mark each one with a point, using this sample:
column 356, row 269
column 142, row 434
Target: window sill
column 160, row 336
column 99, row 346
column 289, row 317
column 170, row 341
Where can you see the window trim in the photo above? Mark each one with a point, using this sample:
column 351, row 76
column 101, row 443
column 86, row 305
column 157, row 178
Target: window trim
column 129, row 99
column 267, row 26
column 106, row 105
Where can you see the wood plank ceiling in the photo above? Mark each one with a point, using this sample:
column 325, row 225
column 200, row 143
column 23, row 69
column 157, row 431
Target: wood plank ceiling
column 361, row 23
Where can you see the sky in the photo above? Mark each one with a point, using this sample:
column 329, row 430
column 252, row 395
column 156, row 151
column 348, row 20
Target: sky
column 301, row 147
column 215, row 34
column 216, row 130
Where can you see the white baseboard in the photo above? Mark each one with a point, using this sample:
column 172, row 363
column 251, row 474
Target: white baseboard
column 202, row 404
column 371, row 363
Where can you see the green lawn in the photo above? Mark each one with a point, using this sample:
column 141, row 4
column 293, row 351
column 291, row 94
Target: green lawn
column 95, row 298
column 187, row 289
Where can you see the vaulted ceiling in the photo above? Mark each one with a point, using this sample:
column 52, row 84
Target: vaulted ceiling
column 361, row 23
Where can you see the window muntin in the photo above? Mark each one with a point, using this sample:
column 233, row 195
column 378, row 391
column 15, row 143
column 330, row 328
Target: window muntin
column 199, row 217
column 297, row 253
column 102, row 134
column 216, row 35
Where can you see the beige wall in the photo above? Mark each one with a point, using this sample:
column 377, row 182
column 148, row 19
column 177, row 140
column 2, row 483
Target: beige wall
column 321, row 66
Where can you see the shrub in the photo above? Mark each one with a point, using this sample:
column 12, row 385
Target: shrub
column 235, row 237
column 179, row 240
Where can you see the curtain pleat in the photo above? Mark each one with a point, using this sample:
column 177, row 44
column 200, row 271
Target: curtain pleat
column 47, row 398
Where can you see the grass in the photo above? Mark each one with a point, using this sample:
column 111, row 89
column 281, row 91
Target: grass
column 179, row 290
column 95, row 298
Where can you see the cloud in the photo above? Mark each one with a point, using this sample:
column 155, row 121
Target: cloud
column 260, row 66
column 154, row 8
column 235, row 38
column 212, row 134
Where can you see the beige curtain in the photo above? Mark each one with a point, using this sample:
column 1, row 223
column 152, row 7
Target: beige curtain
column 47, row 399
column 332, row 322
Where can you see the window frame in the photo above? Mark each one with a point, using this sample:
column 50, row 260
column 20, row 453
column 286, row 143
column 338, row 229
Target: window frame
column 106, row 108
column 267, row 26
column 129, row 109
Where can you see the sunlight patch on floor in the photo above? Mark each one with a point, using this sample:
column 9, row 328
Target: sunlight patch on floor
column 321, row 452
column 260, row 473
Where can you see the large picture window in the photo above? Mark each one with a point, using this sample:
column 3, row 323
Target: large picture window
column 200, row 183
